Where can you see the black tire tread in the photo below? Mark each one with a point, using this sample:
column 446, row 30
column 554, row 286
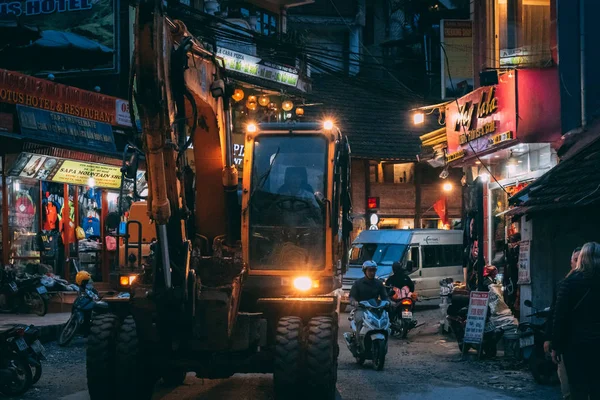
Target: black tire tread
column 131, row 378
column 100, row 356
column 321, row 357
column 288, row 354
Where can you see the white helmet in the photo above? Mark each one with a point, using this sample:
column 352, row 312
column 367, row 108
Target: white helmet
column 369, row 264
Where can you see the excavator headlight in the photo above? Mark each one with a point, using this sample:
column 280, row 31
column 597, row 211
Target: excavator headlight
column 251, row 128
column 303, row 283
column 328, row 125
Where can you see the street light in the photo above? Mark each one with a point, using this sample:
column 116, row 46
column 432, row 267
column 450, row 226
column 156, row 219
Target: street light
column 418, row 118
column 447, row 187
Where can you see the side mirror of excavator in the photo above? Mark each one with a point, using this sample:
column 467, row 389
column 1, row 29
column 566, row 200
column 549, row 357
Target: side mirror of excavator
column 131, row 165
column 217, row 88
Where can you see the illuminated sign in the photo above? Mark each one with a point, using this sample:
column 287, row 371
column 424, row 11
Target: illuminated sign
column 455, row 156
column 502, row 137
column 254, row 66
column 469, row 113
column 373, row 203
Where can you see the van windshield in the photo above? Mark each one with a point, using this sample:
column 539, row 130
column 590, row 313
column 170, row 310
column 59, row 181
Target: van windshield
column 382, row 254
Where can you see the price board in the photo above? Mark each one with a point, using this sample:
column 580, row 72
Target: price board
column 478, row 308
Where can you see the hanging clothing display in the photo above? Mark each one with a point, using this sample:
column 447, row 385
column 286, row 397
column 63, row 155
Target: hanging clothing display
column 24, row 210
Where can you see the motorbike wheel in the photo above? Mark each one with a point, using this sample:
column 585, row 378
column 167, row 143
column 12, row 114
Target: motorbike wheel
column 288, row 355
column 543, row 371
column 378, row 351
column 134, row 376
column 36, row 303
column 321, row 358
column 22, row 379
column 405, row 328
column 68, row 331
column 36, row 372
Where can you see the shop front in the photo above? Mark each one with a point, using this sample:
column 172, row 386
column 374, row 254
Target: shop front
column 506, row 135
column 60, row 176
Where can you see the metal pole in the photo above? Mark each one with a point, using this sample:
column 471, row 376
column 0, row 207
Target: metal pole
column 479, row 185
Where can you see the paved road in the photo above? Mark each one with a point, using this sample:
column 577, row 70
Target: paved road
column 426, row 366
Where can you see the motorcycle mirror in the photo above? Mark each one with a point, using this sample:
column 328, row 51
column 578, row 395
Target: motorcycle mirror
column 131, row 165
column 528, row 303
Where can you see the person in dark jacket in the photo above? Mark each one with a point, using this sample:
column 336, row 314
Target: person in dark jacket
column 400, row 278
column 562, row 371
column 364, row 289
column 576, row 327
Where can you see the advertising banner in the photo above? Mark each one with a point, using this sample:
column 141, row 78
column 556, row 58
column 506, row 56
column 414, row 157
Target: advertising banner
column 482, row 120
column 457, row 57
column 524, row 267
column 478, row 308
column 59, row 35
column 254, row 66
column 53, row 128
column 20, row 89
column 55, row 169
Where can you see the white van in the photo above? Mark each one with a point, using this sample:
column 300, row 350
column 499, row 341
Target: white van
column 431, row 254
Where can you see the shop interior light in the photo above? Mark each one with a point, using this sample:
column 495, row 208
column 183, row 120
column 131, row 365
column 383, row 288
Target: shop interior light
column 287, row 105
column 238, row 94
column 251, row 103
column 418, row 118
column 484, row 176
column 447, row 187
column 264, row 100
column 299, row 111
column 512, row 162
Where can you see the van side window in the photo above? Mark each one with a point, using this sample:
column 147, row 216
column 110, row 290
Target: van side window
column 449, row 255
column 414, row 256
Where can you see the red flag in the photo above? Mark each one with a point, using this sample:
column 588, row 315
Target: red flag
column 441, row 208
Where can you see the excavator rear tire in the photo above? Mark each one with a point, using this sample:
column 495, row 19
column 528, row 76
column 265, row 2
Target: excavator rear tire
column 133, row 373
column 288, row 357
column 321, row 358
column 100, row 356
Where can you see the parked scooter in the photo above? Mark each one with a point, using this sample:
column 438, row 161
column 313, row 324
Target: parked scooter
column 531, row 339
column 22, row 295
column 20, row 359
column 401, row 310
column 81, row 315
column 371, row 343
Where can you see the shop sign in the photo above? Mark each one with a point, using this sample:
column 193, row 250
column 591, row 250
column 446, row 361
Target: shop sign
column 455, row 156
column 254, row 66
column 238, row 150
column 524, row 263
column 16, row 88
column 56, row 169
column 482, row 113
column 67, row 130
column 457, row 37
column 69, row 35
column 476, row 316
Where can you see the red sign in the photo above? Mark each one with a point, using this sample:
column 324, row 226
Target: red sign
column 373, row 203
column 16, row 88
column 482, row 119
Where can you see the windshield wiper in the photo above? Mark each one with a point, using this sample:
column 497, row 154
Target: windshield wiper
column 263, row 179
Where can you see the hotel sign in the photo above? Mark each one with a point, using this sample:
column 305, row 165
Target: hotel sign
column 254, row 66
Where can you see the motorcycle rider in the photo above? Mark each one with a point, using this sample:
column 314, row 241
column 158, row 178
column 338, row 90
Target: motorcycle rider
column 364, row 289
column 400, row 278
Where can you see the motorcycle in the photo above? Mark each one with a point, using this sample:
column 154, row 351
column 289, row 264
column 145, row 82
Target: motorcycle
column 20, row 359
column 401, row 310
column 23, row 295
column 531, row 339
column 371, row 343
column 81, row 315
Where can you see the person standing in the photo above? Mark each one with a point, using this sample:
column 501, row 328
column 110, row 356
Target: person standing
column 576, row 330
column 562, row 371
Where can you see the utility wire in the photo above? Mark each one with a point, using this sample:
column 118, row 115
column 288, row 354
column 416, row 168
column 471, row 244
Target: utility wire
column 463, row 127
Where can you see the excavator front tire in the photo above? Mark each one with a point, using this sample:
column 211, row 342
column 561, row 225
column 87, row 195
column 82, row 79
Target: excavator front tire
column 100, row 356
column 287, row 372
column 321, row 358
column 134, row 376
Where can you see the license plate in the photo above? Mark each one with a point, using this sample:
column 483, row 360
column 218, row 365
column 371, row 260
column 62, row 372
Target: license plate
column 407, row 314
column 21, row 344
column 42, row 290
column 37, row 347
column 526, row 341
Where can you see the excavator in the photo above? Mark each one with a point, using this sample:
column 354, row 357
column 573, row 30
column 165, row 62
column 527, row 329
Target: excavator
column 233, row 286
